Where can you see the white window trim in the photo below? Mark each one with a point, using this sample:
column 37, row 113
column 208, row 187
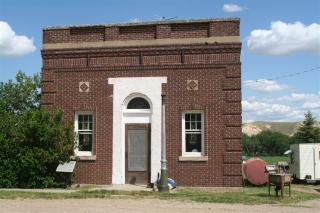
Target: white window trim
column 76, row 150
column 192, row 154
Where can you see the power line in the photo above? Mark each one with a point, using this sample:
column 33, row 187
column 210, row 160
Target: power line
column 283, row 76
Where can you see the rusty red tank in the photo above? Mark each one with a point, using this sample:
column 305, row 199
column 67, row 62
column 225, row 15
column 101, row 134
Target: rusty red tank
column 255, row 171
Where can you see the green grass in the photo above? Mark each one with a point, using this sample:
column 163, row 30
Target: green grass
column 250, row 195
column 274, row 159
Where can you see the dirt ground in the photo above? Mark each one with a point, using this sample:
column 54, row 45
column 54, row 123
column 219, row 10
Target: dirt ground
column 143, row 205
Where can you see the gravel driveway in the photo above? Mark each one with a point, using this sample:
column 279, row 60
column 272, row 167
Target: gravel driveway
column 142, row 205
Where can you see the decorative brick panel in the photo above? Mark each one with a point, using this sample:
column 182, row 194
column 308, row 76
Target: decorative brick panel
column 187, row 30
column 137, row 32
column 208, row 58
column 161, row 59
column 114, row 61
column 56, row 36
column 89, row 34
column 224, row 28
column 192, row 84
column 73, row 35
column 70, row 62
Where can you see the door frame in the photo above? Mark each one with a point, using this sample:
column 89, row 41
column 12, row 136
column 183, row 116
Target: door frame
column 146, row 126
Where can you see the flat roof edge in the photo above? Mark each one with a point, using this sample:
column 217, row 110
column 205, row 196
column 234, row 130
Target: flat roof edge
column 182, row 21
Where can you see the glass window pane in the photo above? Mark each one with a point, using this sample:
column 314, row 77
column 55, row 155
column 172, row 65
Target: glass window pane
column 187, row 125
column 85, row 125
column 90, row 118
column 80, row 118
column 85, row 142
column 193, row 117
column 138, row 103
column 187, row 117
column 80, row 125
column 198, row 125
column 90, row 126
column 198, row 116
column 193, row 125
column 193, row 142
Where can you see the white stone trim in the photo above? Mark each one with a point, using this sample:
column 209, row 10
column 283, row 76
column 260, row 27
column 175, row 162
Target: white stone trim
column 124, row 89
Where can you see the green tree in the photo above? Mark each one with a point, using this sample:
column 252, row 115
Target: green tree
column 33, row 141
column 308, row 132
column 250, row 145
column 265, row 143
column 272, row 143
column 16, row 97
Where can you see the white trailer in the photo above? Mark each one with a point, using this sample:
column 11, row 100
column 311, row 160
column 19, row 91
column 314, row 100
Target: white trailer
column 305, row 161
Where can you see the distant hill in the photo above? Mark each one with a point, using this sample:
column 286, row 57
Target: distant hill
column 288, row 128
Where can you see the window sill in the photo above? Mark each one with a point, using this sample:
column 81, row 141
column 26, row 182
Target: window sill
column 193, row 158
column 85, row 158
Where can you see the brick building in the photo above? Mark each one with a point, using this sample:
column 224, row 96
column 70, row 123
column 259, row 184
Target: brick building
column 109, row 79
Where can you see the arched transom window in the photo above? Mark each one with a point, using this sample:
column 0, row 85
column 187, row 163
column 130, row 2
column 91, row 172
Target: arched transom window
column 138, row 103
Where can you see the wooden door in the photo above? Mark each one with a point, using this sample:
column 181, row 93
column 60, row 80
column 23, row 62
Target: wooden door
column 138, row 153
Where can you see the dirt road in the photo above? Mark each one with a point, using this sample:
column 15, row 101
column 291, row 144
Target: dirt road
column 142, row 205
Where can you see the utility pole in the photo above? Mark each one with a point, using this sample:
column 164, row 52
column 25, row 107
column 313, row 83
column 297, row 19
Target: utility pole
column 163, row 187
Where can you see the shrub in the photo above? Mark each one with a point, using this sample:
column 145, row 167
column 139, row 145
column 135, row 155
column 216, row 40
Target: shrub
column 33, row 141
column 30, row 156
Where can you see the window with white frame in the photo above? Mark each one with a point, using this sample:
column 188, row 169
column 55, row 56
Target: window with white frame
column 192, row 133
column 84, row 133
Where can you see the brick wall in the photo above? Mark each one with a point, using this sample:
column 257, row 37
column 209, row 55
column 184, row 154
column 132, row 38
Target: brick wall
column 216, row 67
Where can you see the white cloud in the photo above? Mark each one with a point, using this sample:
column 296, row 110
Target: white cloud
column 285, row 38
column 262, row 108
column 265, row 111
column 12, row 44
column 264, row 85
column 298, row 98
column 291, row 107
column 311, row 105
column 231, row 8
column 134, row 20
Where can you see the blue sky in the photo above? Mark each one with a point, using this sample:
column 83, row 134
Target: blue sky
column 285, row 47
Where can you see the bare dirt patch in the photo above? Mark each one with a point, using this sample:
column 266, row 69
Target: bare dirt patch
column 143, row 205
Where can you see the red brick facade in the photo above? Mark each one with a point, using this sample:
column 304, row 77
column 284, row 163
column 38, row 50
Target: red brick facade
column 215, row 65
